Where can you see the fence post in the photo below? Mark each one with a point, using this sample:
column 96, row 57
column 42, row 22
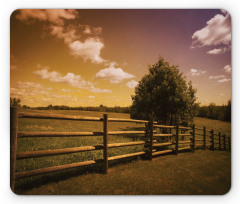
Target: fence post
column 219, row 135
column 224, row 142
column 177, row 135
column 204, row 138
column 13, row 144
column 212, row 136
column 151, row 137
column 105, row 143
column 229, row 143
column 193, row 141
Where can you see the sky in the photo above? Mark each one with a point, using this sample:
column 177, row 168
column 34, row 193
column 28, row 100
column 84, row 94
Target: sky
column 92, row 57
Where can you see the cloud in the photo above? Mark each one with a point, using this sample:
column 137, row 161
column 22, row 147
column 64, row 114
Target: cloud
column 71, row 79
column 195, row 72
column 92, row 30
column 89, row 49
column 217, row 31
column 223, row 80
column 68, row 35
column 66, row 90
column 98, row 90
column 29, row 89
column 217, row 77
column 218, row 51
column 132, row 84
column 91, row 96
column 228, row 69
column 55, row 16
column 114, row 75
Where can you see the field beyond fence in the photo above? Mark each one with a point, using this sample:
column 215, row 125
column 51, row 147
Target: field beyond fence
column 151, row 140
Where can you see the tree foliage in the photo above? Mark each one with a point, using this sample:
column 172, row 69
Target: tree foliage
column 165, row 94
column 213, row 111
column 16, row 102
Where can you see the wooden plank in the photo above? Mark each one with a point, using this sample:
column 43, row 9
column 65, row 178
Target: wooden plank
column 186, row 128
column 125, row 132
column 197, row 128
column 196, row 133
column 125, row 156
column 43, row 153
column 58, row 134
column 199, row 140
column 162, row 135
column 52, row 169
column 58, row 116
column 162, row 152
column 185, row 142
column 163, row 144
column 183, row 148
column 164, row 126
column 13, row 144
column 128, row 120
column 125, row 144
column 185, row 134
column 105, row 143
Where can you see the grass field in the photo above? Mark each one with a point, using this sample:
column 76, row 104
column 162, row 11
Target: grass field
column 31, row 144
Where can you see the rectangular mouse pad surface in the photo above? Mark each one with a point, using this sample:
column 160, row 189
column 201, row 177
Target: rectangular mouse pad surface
column 120, row 101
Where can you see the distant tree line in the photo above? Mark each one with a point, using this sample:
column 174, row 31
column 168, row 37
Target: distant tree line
column 101, row 108
column 215, row 112
column 16, row 102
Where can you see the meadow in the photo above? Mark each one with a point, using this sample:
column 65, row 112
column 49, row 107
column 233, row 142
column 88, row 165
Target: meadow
column 32, row 144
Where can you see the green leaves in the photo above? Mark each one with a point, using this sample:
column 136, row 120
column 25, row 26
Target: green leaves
column 165, row 92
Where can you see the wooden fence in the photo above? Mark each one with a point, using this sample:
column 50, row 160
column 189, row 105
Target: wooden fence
column 153, row 142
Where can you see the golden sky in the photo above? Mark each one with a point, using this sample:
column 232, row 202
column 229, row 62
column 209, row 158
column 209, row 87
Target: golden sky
column 93, row 57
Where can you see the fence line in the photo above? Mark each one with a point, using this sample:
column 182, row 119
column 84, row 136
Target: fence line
column 150, row 132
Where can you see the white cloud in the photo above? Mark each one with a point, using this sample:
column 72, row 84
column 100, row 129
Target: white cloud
column 228, row 69
column 68, row 34
column 90, row 49
column 54, row 16
column 98, row 90
column 92, row 30
column 70, row 78
column 217, row 31
column 195, row 72
column 218, row 51
column 91, row 96
column 217, row 77
column 114, row 75
column 29, row 89
column 66, row 90
column 87, row 29
column 223, row 80
column 132, row 84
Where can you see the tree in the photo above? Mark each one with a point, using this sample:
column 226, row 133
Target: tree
column 16, row 102
column 164, row 94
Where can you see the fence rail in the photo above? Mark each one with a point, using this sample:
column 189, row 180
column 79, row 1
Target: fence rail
column 153, row 146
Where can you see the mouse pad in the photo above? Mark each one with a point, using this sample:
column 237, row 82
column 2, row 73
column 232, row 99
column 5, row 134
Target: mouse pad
column 120, row 101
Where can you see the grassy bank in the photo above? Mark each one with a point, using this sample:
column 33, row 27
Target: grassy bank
column 201, row 173
column 32, row 144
